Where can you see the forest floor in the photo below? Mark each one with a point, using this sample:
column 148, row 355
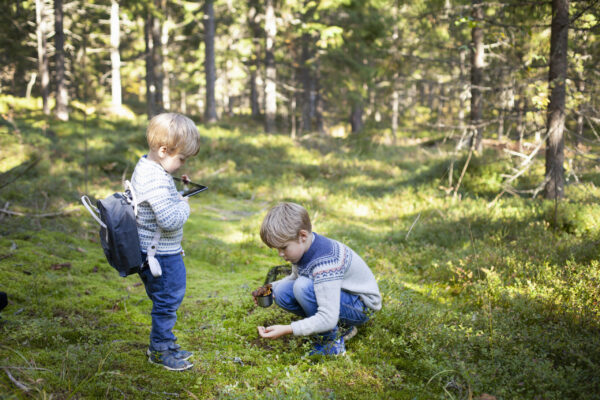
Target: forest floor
column 479, row 301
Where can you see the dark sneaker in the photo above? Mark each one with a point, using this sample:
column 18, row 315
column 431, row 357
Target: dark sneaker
column 333, row 348
column 178, row 353
column 168, row 360
column 348, row 333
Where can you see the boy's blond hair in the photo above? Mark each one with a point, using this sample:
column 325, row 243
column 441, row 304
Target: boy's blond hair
column 283, row 223
column 175, row 131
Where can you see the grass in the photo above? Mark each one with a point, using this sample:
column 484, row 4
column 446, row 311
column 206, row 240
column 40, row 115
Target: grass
column 502, row 301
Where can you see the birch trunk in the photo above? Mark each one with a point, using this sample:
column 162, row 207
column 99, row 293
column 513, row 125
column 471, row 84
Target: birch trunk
column 477, row 61
column 270, row 72
column 42, row 54
column 210, row 112
column 115, row 57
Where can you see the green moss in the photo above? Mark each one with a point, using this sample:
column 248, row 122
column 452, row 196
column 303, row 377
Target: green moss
column 477, row 300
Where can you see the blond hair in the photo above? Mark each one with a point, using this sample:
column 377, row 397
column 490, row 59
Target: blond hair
column 283, row 223
column 175, row 131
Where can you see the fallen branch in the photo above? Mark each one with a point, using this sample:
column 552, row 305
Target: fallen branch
column 411, row 227
column 16, row 382
column 462, row 174
column 26, row 169
column 46, row 215
column 525, row 164
column 5, row 208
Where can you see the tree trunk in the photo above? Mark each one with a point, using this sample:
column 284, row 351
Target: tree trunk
column 150, row 77
column 581, row 111
column 210, row 112
column 306, row 81
column 356, row 114
column 462, row 89
column 395, row 107
column 556, row 109
column 115, row 58
column 42, row 53
column 157, row 62
column 318, row 100
column 62, row 96
column 183, row 102
column 477, row 61
column 270, row 72
column 164, row 45
column 254, row 65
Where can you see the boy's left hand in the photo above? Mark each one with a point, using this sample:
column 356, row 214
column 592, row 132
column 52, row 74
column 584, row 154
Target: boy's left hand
column 274, row 331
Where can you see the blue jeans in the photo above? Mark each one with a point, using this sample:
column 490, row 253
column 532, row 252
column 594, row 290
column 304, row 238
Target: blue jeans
column 166, row 293
column 298, row 297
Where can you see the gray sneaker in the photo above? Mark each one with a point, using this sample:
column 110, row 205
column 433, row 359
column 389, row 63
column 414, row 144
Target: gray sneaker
column 168, row 360
column 348, row 333
column 179, row 353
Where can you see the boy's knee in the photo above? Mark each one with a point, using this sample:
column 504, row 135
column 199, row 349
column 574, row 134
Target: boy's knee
column 303, row 287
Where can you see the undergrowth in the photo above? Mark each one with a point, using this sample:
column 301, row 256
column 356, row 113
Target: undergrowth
column 500, row 301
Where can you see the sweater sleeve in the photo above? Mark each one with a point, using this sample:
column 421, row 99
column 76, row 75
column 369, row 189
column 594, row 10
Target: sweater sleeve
column 328, row 310
column 171, row 212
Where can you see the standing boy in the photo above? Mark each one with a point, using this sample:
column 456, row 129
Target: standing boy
column 331, row 287
column 172, row 138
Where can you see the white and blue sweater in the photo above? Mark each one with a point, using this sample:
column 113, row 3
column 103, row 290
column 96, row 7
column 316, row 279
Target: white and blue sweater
column 162, row 207
column 333, row 267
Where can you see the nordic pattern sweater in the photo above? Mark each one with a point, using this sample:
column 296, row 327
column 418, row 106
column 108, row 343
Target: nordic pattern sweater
column 333, row 267
column 162, row 207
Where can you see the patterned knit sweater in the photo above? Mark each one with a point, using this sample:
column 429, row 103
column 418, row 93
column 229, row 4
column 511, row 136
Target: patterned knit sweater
column 162, row 207
column 333, row 267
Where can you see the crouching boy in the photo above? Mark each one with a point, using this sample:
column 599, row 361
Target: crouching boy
column 330, row 287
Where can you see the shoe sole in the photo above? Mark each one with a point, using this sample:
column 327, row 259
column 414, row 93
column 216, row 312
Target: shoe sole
column 350, row 334
column 343, row 353
column 190, row 365
column 149, row 353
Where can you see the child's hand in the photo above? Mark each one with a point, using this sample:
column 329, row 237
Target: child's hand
column 186, row 199
column 274, row 331
column 185, row 179
column 261, row 291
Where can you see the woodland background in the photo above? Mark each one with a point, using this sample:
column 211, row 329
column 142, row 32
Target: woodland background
column 453, row 144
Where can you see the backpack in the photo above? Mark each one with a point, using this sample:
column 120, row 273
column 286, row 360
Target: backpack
column 119, row 238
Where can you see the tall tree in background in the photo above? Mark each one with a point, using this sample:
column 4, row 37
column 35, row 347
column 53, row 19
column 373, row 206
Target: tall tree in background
column 210, row 112
column 555, row 180
column 62, row 96
column 153, row 55
column 306, row 71
column 164, row 45
column 42, row 52
column 477, row 62
column 115, row 58
column 254, row 65
column 270, row 72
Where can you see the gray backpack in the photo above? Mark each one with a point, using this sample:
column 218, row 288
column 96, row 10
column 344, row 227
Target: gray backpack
column 118, row 232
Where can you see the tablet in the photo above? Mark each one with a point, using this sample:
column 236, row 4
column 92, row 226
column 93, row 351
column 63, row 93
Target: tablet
column 193, row 190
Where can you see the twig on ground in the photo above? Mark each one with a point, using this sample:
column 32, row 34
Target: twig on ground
column 16, row 382
column 462, row 174
column 411, row 227
column 5, row 208
column 32, row 164
column 46, row 215
column 525, row 166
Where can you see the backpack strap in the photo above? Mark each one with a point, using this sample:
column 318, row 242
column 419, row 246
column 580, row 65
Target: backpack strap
column 95, row 213
column 153, row 263
column 151, row 252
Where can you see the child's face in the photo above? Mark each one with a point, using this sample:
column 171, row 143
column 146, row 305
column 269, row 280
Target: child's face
column 172, row 162
column 295, row 249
